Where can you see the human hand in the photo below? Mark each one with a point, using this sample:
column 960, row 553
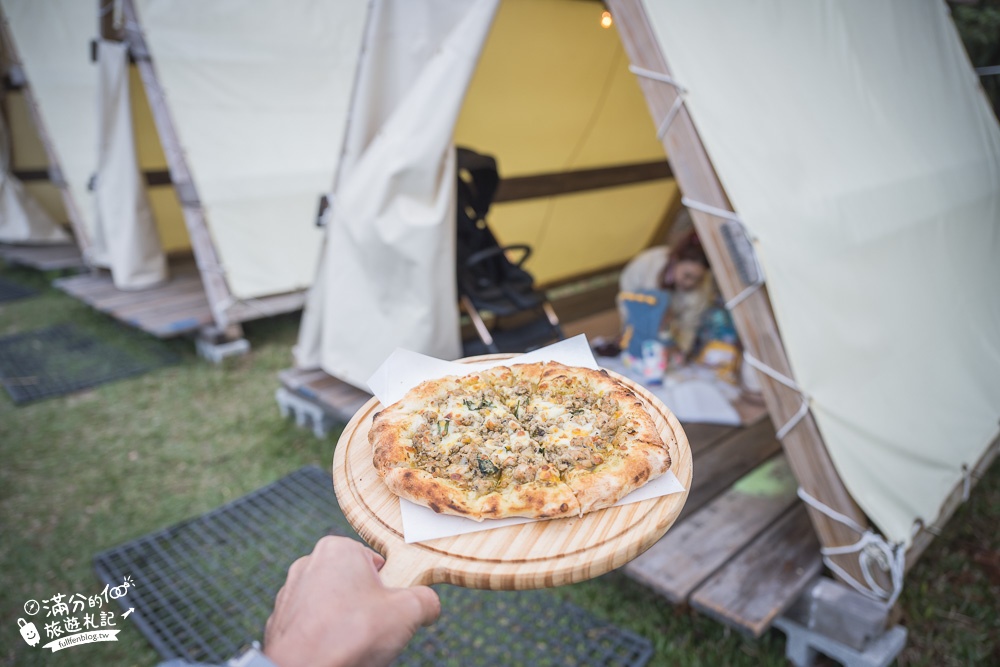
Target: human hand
column 334, row 611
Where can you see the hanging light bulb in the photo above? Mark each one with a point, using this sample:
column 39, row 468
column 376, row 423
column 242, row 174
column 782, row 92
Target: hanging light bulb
column 606, row 19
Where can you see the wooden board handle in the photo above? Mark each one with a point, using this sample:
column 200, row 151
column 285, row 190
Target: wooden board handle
column 400, row 571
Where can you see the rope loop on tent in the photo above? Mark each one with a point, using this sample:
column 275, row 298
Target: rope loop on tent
column 871, row 548
column 740, row 298
column 656, row 76
column 788, row 382
column 969, row 475
column 758, row 282
column 711, row 210
column 678, row 102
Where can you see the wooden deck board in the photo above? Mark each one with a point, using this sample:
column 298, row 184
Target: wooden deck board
column 698, row 546
column 766, row 578
column 176, row 307
column 125, row 298
column 169, row 325
column 721, row 464
column 162, row 305
column 43, row 257
column 88, row 286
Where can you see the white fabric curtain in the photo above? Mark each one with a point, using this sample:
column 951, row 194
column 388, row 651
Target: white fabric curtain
column 52, row 39
column 125, row 235
column 388, row 274
column 22, row 219
column 855, row 143
column 258, row 92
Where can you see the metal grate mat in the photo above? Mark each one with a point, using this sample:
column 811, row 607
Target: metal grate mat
column 500, row 628
column 205, row 587
column 62, row 359
column 10, row 291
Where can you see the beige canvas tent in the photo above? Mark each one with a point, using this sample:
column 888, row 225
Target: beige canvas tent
column 217, row 142
column 39, row 193
column 849, row 156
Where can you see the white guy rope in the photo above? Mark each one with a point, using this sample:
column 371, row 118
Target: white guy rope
column 730, row 215
column 871, row 548
column 788, row 382
column 675, row 108
column 656, row 76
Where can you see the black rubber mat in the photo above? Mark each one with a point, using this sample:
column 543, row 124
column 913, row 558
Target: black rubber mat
column 11, row 291
column 205, row 587
column 62, row 359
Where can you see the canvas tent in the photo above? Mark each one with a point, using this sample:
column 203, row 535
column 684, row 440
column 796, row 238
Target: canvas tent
column 552, row 106
column 852, row 162
column 248, row 104
column 46, row 130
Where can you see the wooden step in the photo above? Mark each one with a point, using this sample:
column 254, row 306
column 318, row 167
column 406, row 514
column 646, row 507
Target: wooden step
column 766, row 578
column 696, row 547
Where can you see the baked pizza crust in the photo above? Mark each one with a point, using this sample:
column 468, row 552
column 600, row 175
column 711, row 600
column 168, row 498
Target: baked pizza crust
column 411, row 440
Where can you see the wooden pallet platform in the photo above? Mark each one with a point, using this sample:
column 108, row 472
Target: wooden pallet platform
column 57, row 257
column 176, row 307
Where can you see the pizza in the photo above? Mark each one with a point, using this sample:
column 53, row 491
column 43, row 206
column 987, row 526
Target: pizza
column 538, row 440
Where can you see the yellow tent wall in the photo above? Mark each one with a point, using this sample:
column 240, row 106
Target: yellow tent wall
column 553, row 94
column 166, row 208
column 28, row 154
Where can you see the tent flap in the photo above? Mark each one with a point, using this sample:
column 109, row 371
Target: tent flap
column 124, row 231
column 389, row 259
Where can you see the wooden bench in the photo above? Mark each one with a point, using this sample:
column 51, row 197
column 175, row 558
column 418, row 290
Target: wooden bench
column 57, row 257
column 176, row 307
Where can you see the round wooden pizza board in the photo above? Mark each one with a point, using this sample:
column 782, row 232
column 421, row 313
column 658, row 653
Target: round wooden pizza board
column 537, row 554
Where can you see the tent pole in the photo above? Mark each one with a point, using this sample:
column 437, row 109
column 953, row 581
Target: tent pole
column 54, row 170
column 754, row 319
column 220, row 298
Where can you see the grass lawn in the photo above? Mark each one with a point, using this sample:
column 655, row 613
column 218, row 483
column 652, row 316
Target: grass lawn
column 86, row 472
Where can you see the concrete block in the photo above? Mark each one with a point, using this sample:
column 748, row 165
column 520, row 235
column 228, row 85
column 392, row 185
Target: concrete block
column 305, row 412
column 216, row 352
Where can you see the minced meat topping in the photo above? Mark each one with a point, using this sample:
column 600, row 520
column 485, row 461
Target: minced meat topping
column 491, row 435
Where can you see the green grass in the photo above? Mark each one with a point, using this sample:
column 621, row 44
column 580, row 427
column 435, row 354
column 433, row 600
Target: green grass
column 86, row 472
